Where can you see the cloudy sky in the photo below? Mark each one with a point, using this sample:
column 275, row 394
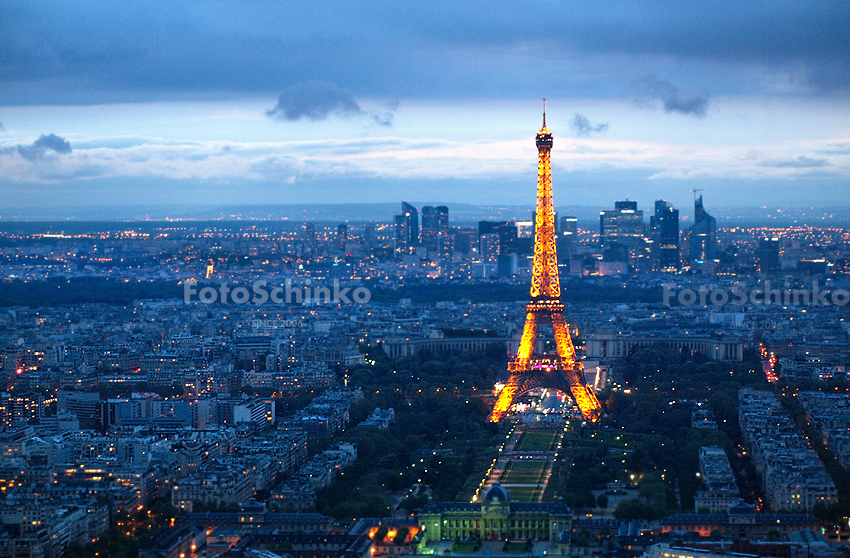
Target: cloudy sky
column 243, row 101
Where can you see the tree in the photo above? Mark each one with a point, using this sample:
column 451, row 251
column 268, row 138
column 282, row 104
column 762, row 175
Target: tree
column 773, row 535
column 602, row 501
column 637, row 509
column 401, row 535
column 411, row 502
column 583, row 538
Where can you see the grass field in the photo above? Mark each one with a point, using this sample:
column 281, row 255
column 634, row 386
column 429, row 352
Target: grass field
column 537, row 440
column 523, row 472
column 524, row 493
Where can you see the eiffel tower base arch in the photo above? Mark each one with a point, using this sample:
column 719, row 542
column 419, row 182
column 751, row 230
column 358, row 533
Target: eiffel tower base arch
column 568, row 381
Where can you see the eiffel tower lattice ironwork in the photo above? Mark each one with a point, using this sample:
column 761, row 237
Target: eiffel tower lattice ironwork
column 529, row 371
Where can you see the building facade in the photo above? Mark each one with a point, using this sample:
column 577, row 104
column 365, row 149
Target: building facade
column 703, row 235
column 406, row 228
column 665, row 236
column 495, row 517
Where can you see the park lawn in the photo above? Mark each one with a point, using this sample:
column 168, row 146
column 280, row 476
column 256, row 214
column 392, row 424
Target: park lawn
column 524, row 493
column 523, row 472
column 537, row 440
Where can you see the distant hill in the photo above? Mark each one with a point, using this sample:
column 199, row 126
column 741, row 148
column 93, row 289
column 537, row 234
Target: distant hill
column 459, row 214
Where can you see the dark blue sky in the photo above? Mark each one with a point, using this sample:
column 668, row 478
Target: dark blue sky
column 272, row 101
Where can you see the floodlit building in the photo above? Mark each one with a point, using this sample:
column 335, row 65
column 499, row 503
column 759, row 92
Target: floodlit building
column 494, row 517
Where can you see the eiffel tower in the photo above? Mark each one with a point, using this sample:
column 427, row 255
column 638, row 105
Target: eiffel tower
column 529, row 371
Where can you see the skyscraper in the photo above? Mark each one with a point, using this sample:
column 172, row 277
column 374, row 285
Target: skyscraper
column 567, row 237
column 406, row 228
column 435, row 224
column 507, row 231
column 703, row 234
column 768, row 254
column 489, row 247
column 412, row 215
column 369, row 235
column 401, row 233
column 569, row 225
column 665, row 236
column 464, row 239
column 622, row 225
column 341, row 236
column 309, row 239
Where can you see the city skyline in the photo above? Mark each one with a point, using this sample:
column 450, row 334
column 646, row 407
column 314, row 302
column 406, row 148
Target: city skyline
column 274, row 284
column 276, row 104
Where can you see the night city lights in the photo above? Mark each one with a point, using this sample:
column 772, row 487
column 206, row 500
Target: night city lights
column 383, row 279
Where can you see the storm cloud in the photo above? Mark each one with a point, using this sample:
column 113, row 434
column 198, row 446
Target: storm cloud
column 37, row 149
column 318, row 100
column 582, row 126
column 382, row 49
column 650, row 89
column 167, row 89
column 314, row 100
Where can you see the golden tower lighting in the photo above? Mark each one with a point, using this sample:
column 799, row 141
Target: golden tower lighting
column 529, row 371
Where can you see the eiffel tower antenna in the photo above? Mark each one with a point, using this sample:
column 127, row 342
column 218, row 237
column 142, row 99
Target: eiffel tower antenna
column 528, row 370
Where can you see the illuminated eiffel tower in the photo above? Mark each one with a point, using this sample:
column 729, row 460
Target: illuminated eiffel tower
column 529, row 371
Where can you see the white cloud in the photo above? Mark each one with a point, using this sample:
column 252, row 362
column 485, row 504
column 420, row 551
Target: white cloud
column 393, row 157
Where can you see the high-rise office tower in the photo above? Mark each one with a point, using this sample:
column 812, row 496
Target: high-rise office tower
column 525, row 238
column 622, row 225
column 703, row 234
column 310, row 240
column 508, row 234
column 435, row 223
column 507, row 265
column 401, row 233
column 406, row 228
column 430, row 224
column 464, row 239
column 525, row 229
column 341, row 236
column 446, row 246
column 489, row 247
column 369, row 235
column 507, row 231
column 567, row 237
column 768, row 254
column 665, row 236
column 412, row 216
column 569, row 224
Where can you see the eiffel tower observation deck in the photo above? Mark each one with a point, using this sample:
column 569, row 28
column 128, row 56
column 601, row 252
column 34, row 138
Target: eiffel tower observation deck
column 529, row 371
